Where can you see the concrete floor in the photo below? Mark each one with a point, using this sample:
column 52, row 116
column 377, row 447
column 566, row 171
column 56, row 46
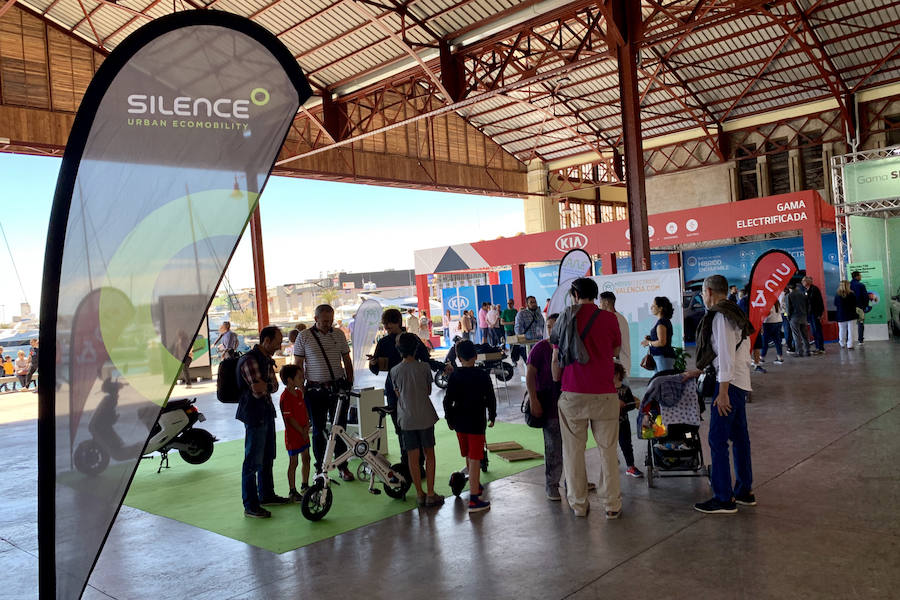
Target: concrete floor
column 825, row 451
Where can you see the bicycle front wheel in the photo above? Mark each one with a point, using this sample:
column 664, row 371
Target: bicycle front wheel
column 316, row 502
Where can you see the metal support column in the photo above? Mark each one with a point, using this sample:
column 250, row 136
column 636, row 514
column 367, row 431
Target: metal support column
column 627, row 19
column 422, row 293
column 518, row 278
column 259, row 270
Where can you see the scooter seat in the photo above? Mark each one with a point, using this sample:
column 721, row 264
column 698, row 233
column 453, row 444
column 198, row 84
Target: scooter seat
column 180, row 404
column 385, row 410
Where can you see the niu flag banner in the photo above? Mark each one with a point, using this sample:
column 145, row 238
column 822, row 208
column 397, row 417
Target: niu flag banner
column 365, row 326
column 576, row 263
column 769, row 277
column 169, row 152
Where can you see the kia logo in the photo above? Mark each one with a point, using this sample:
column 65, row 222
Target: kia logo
column 458, row 303
column 571, row 241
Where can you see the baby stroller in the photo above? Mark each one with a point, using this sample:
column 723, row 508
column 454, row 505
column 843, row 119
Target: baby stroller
column 669, row 419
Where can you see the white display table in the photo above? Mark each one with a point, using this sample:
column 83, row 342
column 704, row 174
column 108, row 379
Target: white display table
column 368, row 420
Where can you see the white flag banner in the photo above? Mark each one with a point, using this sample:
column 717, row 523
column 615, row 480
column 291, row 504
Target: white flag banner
column 576, row 263
column 365, row 327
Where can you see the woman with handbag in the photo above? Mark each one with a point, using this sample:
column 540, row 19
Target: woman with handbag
column 660, row 339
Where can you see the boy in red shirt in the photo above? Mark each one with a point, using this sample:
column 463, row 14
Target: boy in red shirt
column 296, row 428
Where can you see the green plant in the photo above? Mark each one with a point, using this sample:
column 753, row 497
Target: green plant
column 244, row 319
column 329, row 296
column 681, row 359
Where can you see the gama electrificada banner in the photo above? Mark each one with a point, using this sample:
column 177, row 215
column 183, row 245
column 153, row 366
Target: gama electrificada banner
column 168, row 154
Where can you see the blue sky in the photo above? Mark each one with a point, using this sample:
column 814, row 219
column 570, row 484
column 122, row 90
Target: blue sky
column 300, row 217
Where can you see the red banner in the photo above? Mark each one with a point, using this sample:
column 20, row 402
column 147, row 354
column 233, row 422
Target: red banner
column 786, row 212
column 770, row 275
column 87, row 351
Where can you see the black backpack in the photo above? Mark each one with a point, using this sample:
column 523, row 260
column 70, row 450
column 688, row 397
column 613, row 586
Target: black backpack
column 227, row 387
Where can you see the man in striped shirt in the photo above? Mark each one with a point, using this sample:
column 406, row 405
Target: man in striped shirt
column 323, row 356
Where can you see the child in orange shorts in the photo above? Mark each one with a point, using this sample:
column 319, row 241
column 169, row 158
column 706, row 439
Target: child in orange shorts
column 470, row 407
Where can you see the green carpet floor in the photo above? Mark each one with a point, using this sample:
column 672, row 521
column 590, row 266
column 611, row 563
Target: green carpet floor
column 209, row 495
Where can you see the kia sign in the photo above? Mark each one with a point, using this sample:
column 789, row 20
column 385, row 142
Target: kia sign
column 457, row 303
column 571, row 241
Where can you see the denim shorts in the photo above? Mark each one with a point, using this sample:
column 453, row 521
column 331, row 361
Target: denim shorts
column 417, row 439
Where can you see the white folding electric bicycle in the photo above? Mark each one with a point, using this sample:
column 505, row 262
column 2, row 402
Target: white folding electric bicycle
column 395, row 478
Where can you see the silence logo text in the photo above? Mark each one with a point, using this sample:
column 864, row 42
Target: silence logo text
column 186, row 112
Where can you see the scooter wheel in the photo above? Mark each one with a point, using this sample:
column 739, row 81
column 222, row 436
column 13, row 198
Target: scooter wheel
column 505, row 372
column 397, row 489
column 316, row 502
column 458, row 483
column 90, row 458
column 200, row 446
column 440, row 380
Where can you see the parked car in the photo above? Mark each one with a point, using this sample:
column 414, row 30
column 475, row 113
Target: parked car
column 694, row 309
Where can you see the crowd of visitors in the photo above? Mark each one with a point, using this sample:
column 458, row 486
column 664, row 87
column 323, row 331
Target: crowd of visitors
column 577, row 367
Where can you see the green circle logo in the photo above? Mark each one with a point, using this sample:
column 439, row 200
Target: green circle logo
column 259, row 96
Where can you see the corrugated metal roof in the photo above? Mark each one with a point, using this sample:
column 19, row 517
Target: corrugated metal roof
column 732, row 64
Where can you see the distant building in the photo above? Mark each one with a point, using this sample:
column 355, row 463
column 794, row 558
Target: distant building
column 292, row 302
column 381, row 279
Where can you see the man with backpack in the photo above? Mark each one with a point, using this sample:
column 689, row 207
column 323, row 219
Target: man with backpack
column 723, row 350
column 256, row 382
column 585, row 340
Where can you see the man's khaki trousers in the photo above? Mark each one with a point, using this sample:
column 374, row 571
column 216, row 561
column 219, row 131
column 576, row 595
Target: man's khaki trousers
column 601, row 413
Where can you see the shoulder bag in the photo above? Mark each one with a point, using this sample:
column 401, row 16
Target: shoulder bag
column 530, row 419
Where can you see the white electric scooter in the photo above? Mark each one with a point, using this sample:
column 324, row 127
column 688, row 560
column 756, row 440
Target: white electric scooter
column 173, row 430
column 395, row 478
